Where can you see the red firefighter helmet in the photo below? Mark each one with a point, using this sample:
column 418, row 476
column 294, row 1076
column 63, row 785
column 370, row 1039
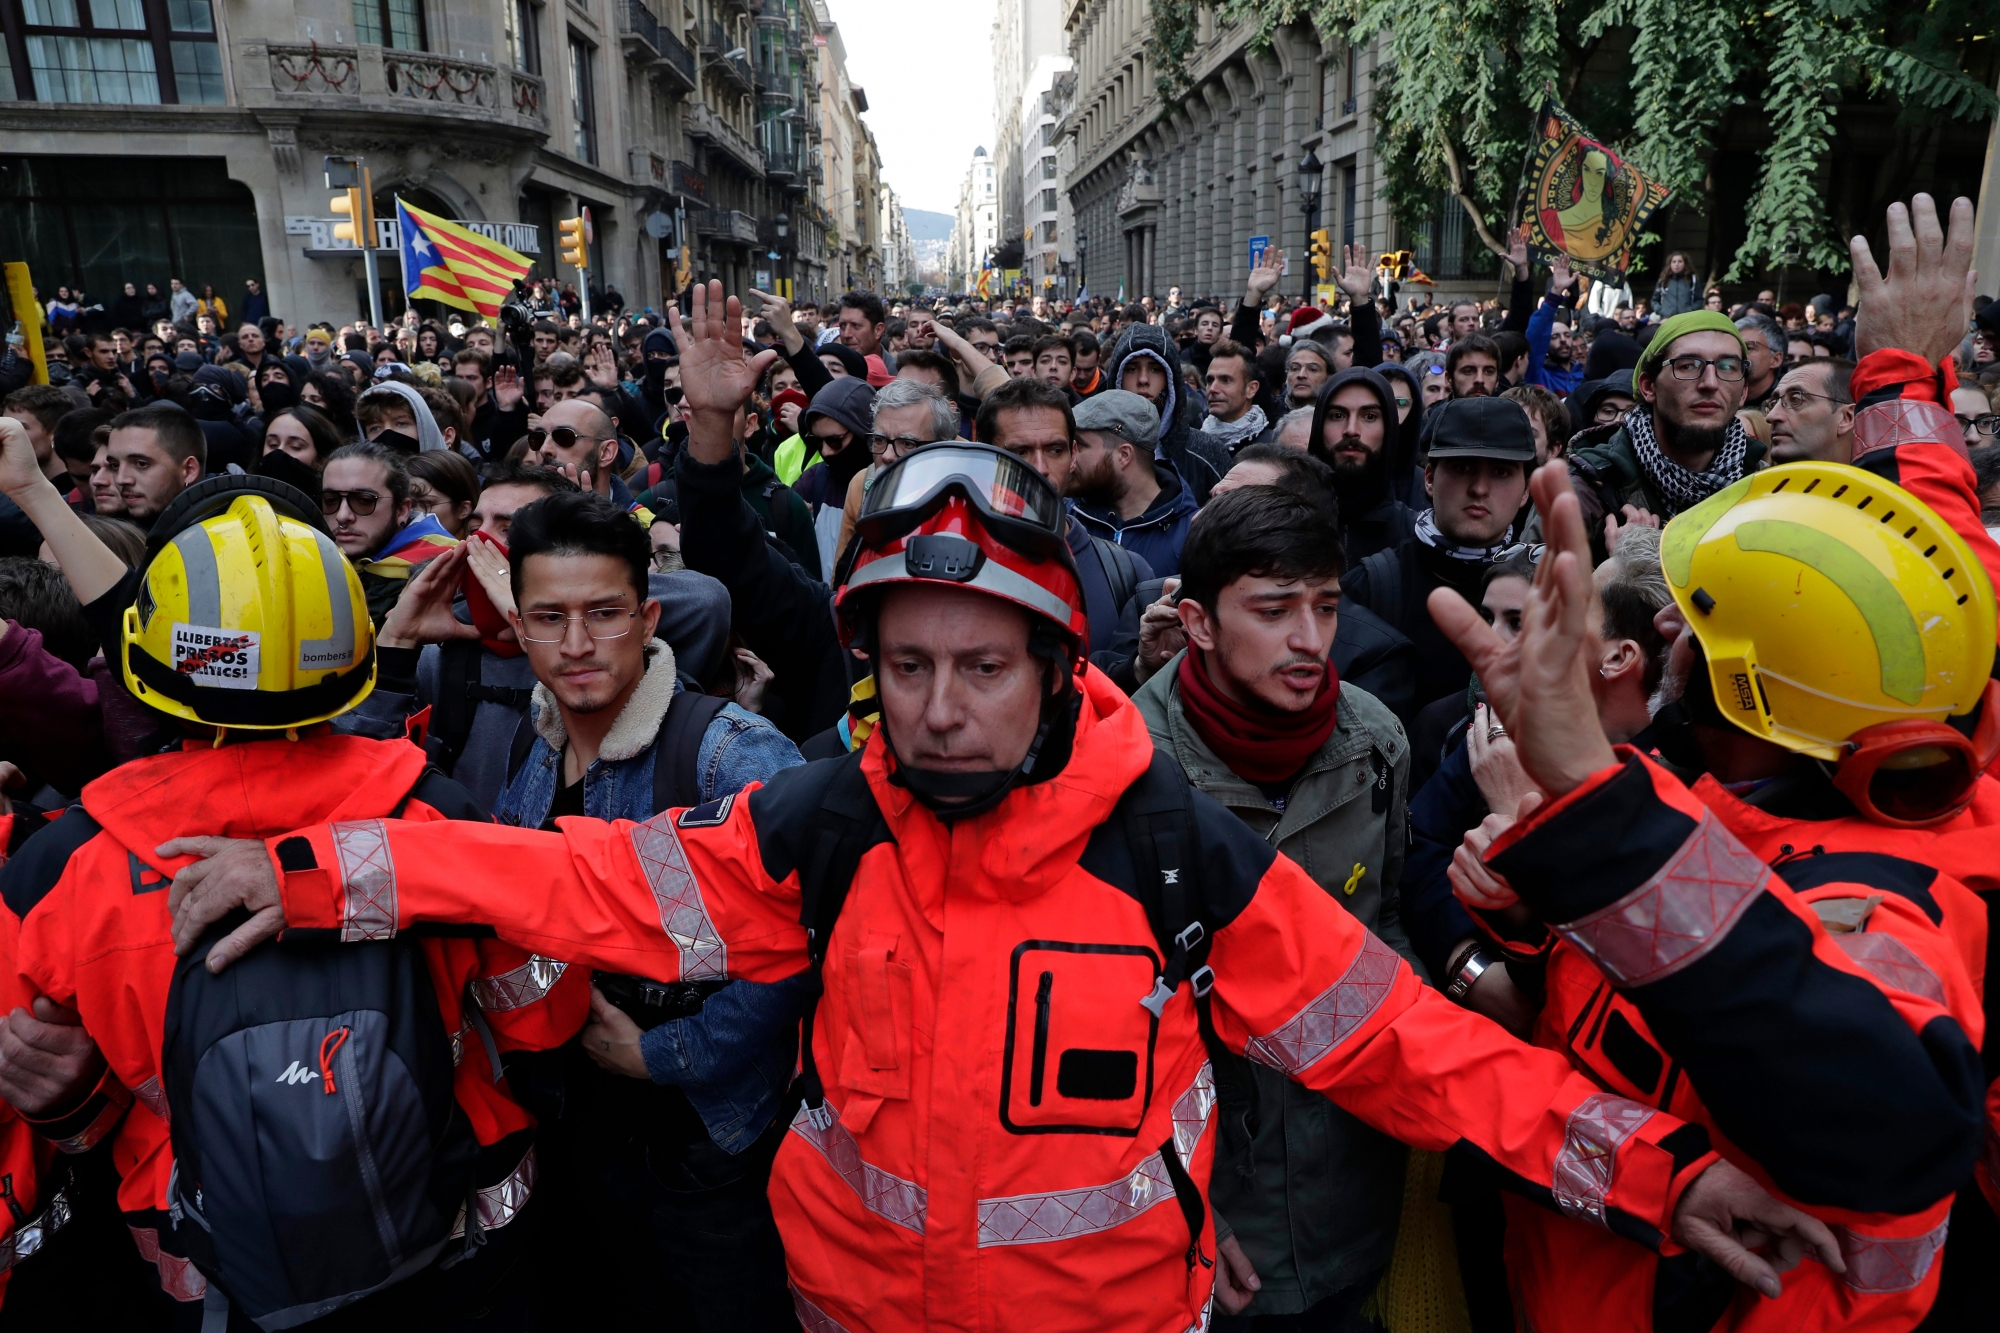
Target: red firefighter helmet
column 971, row 516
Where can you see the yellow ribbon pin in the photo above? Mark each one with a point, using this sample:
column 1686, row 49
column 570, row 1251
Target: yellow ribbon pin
column 1354, row 880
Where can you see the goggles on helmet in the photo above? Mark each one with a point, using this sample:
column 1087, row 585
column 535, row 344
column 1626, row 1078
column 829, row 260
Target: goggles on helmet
column 1916, row 773
column 1016, row 504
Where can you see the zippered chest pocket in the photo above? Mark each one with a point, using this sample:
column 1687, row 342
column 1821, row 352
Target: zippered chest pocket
column 1079, row 1056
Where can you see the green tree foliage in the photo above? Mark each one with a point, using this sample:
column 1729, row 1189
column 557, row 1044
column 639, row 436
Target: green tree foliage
column 1462, row 79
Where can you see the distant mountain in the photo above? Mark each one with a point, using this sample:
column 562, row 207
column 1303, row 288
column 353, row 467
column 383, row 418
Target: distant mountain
column 927, row 226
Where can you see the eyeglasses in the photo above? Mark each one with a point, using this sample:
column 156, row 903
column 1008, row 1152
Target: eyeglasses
column 839, row 442
column 563, row 437
column 600, row 622
column 1986, row 425
column 895, row 444
column 426, row 502
column 1728, row 369
column 361, row 502
column 1798, row 400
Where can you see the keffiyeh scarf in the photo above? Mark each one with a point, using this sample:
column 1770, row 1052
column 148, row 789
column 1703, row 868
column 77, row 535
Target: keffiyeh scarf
column 1684, row 489
column 1232, row 433
column 1430, row 535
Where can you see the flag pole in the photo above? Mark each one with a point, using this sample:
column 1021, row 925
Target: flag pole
column 369, row 238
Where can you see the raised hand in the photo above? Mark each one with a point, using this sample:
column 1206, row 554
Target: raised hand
column 507, row 391
column 1357, row 273
column 1264, row 276
column 601, row 365
column 19, row 470
column 1561, row 276
column 422, row 615
column 1517, row 251
column 1925, row 302
column 716, row 377
column 1539, row 682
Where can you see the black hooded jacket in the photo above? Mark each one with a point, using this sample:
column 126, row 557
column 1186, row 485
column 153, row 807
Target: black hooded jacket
column 1371, row 518
column 1407, row 481
column 1199, row 457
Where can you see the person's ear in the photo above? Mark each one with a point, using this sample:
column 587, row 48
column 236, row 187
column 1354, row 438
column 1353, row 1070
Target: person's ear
column 1621, row 656
column 1197, row 624
column 1430, row 478
column 649, row 617
column 190, row 470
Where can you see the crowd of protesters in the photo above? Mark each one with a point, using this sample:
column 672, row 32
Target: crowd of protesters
column 1317, row 628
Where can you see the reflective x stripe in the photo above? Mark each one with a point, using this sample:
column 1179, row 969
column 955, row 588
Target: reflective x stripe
column 1588, row 1158
column 1333, row 1014
column 179, row 1278
column 811, row 1318
column 152, row 1098
column 34, row 1233
column 498, row 1204
column 116, row 1099
column 683, row 915
column 1675, row 918
column 889, row 1197
column 368, row 880
column 1883, row 1264
column 1028, row 1219
column 518, row 987
column 1893, row 963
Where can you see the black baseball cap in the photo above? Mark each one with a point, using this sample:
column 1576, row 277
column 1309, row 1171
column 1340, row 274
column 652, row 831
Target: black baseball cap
column 1480, row 428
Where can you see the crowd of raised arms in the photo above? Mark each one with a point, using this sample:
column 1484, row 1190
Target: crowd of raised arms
column 1202, row 813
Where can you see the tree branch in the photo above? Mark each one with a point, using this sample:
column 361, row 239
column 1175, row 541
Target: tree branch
column 1471, row 209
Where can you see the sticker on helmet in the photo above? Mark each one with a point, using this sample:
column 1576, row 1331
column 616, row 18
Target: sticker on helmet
column 224, row 658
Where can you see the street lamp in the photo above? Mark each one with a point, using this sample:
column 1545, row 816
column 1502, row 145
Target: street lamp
column 1310, row 171
column 1082, row 261
column 781, row 227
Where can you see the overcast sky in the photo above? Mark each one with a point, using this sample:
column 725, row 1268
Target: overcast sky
column 928, row 71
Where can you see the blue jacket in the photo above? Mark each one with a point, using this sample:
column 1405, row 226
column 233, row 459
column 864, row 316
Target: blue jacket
column 1155, row 536
column 1440, row 813
column 1540, row 325
column 734, row 1059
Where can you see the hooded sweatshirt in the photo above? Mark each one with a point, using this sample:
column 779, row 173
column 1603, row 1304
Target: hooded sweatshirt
column 428, row 435
column 1371, row 517
column 1407, row 480
column 1199, row 458
column 850, row 404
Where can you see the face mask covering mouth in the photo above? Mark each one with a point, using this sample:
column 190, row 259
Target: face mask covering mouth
column 395, row 439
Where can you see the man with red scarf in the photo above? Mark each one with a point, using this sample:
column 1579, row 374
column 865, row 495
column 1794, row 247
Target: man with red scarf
column 1256, row 714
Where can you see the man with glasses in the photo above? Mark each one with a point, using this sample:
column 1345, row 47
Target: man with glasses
column 1812, row 413
column 1683, row 441
column 1974, row 411
column 909, row 413
column 576, row 438
column 365, row 495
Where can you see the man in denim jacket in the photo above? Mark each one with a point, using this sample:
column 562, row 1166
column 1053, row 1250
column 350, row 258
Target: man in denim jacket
column 663, row 1146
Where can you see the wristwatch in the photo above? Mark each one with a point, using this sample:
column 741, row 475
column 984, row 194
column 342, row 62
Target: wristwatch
column 1469, row 972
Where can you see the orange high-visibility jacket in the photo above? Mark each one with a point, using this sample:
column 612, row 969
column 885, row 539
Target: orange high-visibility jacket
column 32, row 1192
column 89, row 896
column 1005, row 1105
column 1803, row 989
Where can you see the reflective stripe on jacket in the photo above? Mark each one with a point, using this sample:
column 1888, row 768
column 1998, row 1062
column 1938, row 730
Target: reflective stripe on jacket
column 1004, row 1105
column 1818, row 1016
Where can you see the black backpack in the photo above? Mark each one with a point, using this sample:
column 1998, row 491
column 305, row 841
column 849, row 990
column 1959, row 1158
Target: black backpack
column 460, row 692
column 319, row 1152
column 1155, row 818
column 676, row 761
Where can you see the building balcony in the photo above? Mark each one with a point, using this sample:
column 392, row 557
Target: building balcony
column 648, row 168
column 705, row 124
column 774, row 13
column 649, row 41
column 781, row 165
column 728, row 225
column 375, row 80
column 716, row 44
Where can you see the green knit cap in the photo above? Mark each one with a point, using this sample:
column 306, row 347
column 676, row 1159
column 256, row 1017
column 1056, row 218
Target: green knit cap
column 1694, row 321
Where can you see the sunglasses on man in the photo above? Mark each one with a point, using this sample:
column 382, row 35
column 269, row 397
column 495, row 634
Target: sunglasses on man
column 563, row 437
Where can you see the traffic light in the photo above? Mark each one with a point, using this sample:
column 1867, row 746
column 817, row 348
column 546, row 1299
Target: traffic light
column 1322, row 253
column 350, row 205
column 575, row 246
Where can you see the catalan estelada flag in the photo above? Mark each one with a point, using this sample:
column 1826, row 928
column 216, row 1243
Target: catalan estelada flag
column 455, row 265
column 408, row 551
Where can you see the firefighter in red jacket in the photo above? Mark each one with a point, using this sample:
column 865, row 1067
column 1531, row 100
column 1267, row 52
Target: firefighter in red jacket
column 1766, row 955
column 1009, row 1096
column 247, row 630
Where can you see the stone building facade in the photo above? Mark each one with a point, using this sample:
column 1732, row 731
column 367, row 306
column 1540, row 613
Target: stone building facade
column 1170, row 194
column 191, row 145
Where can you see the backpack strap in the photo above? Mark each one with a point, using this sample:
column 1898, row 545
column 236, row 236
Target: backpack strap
column 1119, row 571
column 1159, row 820
column 677, row 752
column 522, row 743
column 847, row 824
column 1385, row 583
column 460, row 692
